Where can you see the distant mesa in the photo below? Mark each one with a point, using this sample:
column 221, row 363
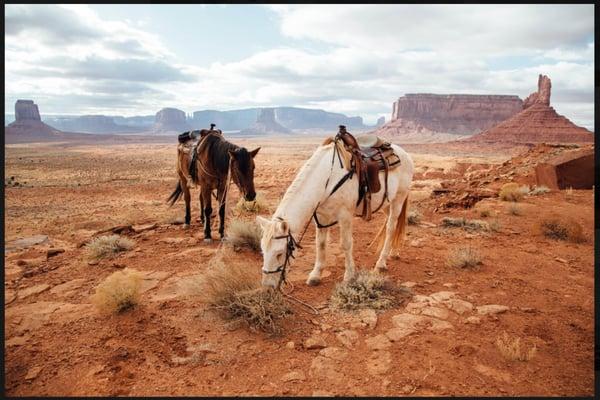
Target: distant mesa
column 380, row 121
column 101, row 124
column 169, row 120
column 454, row 114
column 537, row 122
column 28, row 124
column 266, row 124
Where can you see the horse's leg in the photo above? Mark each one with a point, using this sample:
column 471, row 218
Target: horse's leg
column 221, row 192
column 187, row 198
column 392, row 222
column 314, row 278
column 345, row 221
column 206, row 193
column 201, row 207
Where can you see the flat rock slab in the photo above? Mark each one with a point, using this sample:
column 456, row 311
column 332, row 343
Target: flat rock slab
column 435, row 312
column 442, row 296
column 67, row 288
column 369, row 317
column 395, row 334
column 347, row 337
column 327, row 369
column 142, row 228
column 335, row 353
column 25, row 242
column 315, row 342
column 459, row 306
column 24, row 293
column 294, row 376
column 490, row 309
column 379, row 363
column 379, row 342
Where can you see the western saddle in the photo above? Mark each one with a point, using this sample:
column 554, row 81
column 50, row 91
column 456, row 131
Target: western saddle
column 193, row 135
column 370, row 155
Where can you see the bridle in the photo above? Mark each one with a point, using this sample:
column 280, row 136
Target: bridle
column 291, row 245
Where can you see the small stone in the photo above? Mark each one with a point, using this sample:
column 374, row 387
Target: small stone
column 435, row 312
column 408, row 321
column 449, row 285
column 347, row 337
column 379, row 342
column 33, row 290
column 294, row 376
column 438, row 325
column 33, row 373
column 561, row 260
column 290, row 345
column 315, row 342
column 442, row 296
column 369, row 317
column 142, row 228
column 473, row 320
column 335, row 353
column 407, row 389
column 459, row 306
column 430, row 281
column 396, row 334
column 408, row 284
column 416, row 243
column 492, row 309
column 54, row 252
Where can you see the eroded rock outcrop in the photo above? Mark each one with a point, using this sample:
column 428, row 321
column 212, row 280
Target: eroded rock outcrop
column 537, row 122
column 28, row 125
column 266, row 124
column 170, row 120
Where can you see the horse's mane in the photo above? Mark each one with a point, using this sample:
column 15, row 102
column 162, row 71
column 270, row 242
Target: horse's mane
column 214, row 150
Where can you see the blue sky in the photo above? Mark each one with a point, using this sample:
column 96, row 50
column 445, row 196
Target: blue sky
column 355, row 59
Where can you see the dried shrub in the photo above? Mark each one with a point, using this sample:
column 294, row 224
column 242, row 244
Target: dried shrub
column 538, row 190
column 484, row 213
column 235, row 291
column 257, row 206
column 514, row 209
column 513, row 192
column 244, row 233
column 118, row 292
column 510, row 348
column 561, row 228
column 368, row 289
column 495, row 225
column 470, row 225
column 107, row 246
column 453, row 222
column 463, row 257
column 414, row 217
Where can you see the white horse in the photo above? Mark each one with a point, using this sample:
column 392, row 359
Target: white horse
column 309, row 194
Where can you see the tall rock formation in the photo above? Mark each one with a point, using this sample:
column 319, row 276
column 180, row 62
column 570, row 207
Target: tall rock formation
column 380, row 121
column 28, row 125
column 266, row 124
column 169, row 120
column 537, row 122
column 463, row 114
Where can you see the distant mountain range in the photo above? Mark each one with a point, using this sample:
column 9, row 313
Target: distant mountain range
column 232, row 120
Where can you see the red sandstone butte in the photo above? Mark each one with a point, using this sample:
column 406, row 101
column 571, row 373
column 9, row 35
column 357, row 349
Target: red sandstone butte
column 538, row 122
column 573, row 169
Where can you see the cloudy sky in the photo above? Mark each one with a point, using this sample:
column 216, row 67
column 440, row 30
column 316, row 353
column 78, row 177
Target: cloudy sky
column 355, row 59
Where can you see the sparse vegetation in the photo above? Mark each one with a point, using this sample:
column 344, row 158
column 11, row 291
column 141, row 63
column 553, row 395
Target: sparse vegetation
column 562, row 228
column 484, row 213
column 510, row 348
column 453, row 222
column 244, row 233
column 234, row 290
column 514, row 209
column 463, row 257
column 108, row 246
column 495, row 225
column 368, row 289
column 470, row 225
column 414, row 217
column 538, row 190
column 118, row 292
column 257, row 206
column 513, row 192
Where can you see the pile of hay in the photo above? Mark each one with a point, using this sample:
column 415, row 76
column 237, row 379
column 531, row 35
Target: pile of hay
column 368, row 289
column 244, row 234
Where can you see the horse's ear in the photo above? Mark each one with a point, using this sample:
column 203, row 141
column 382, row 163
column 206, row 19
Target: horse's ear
column 254, row 152
column 263, row 222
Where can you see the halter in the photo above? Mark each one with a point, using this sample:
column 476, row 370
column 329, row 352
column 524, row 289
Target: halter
column 291, row 245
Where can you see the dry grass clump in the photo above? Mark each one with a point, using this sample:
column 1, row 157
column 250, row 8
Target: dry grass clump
column 514, row 209
column 235, row 291
column 511, row 348
column 414, row 217
column 495, row 225
column 107, row 246
column 513, row 192
column 368, row 289
column 538, row 190
column 484, row 213
column 118, row 292
column 463, row 257
column 561, row 228
column 470, row 225
column 257, row 206
column 453, row 222
column 244, row 233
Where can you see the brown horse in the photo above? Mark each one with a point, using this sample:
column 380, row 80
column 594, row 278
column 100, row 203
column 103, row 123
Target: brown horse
column 187, row 143
column 213, row 160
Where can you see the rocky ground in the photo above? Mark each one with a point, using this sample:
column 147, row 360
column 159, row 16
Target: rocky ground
column 441, row 342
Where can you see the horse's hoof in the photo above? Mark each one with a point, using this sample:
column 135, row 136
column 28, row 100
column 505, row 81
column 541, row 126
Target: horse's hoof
column 186, row 226
column 207, row 240
column 313, row 281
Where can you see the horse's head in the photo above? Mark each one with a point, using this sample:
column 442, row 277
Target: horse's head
column 274, row 248
column 242, row 170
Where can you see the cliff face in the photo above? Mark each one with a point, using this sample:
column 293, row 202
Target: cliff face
column 170, row 120
column 28, row 125
column 266, row 124
column 455, row 113
column 26, row 110
column 91, row 124
column 538, row 122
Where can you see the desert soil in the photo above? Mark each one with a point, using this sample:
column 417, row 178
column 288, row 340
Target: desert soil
column 56, row 343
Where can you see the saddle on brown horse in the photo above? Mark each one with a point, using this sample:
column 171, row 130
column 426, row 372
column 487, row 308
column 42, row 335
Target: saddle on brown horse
column 193, row 135
column 370, row 155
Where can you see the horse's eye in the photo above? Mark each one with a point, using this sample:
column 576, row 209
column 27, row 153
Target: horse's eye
column 279, row 257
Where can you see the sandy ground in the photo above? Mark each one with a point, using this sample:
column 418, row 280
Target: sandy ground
column 57, row 344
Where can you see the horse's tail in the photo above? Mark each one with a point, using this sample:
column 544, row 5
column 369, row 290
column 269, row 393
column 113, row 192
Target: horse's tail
column 175, row 195
column 399, row 231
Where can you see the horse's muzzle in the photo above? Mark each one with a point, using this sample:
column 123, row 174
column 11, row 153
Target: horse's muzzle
column 250, row 196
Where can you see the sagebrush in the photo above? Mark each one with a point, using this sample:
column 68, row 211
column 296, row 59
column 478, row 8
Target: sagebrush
column 118, row 292
column 414, row 217
column 510, row 348
column 257, row 206
column 514, row 209
column 463, row 257
column 234, row 290
column 368, row 289
column 562, row 228
column 513, row 192
column 108, row 246
column 244, row 233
